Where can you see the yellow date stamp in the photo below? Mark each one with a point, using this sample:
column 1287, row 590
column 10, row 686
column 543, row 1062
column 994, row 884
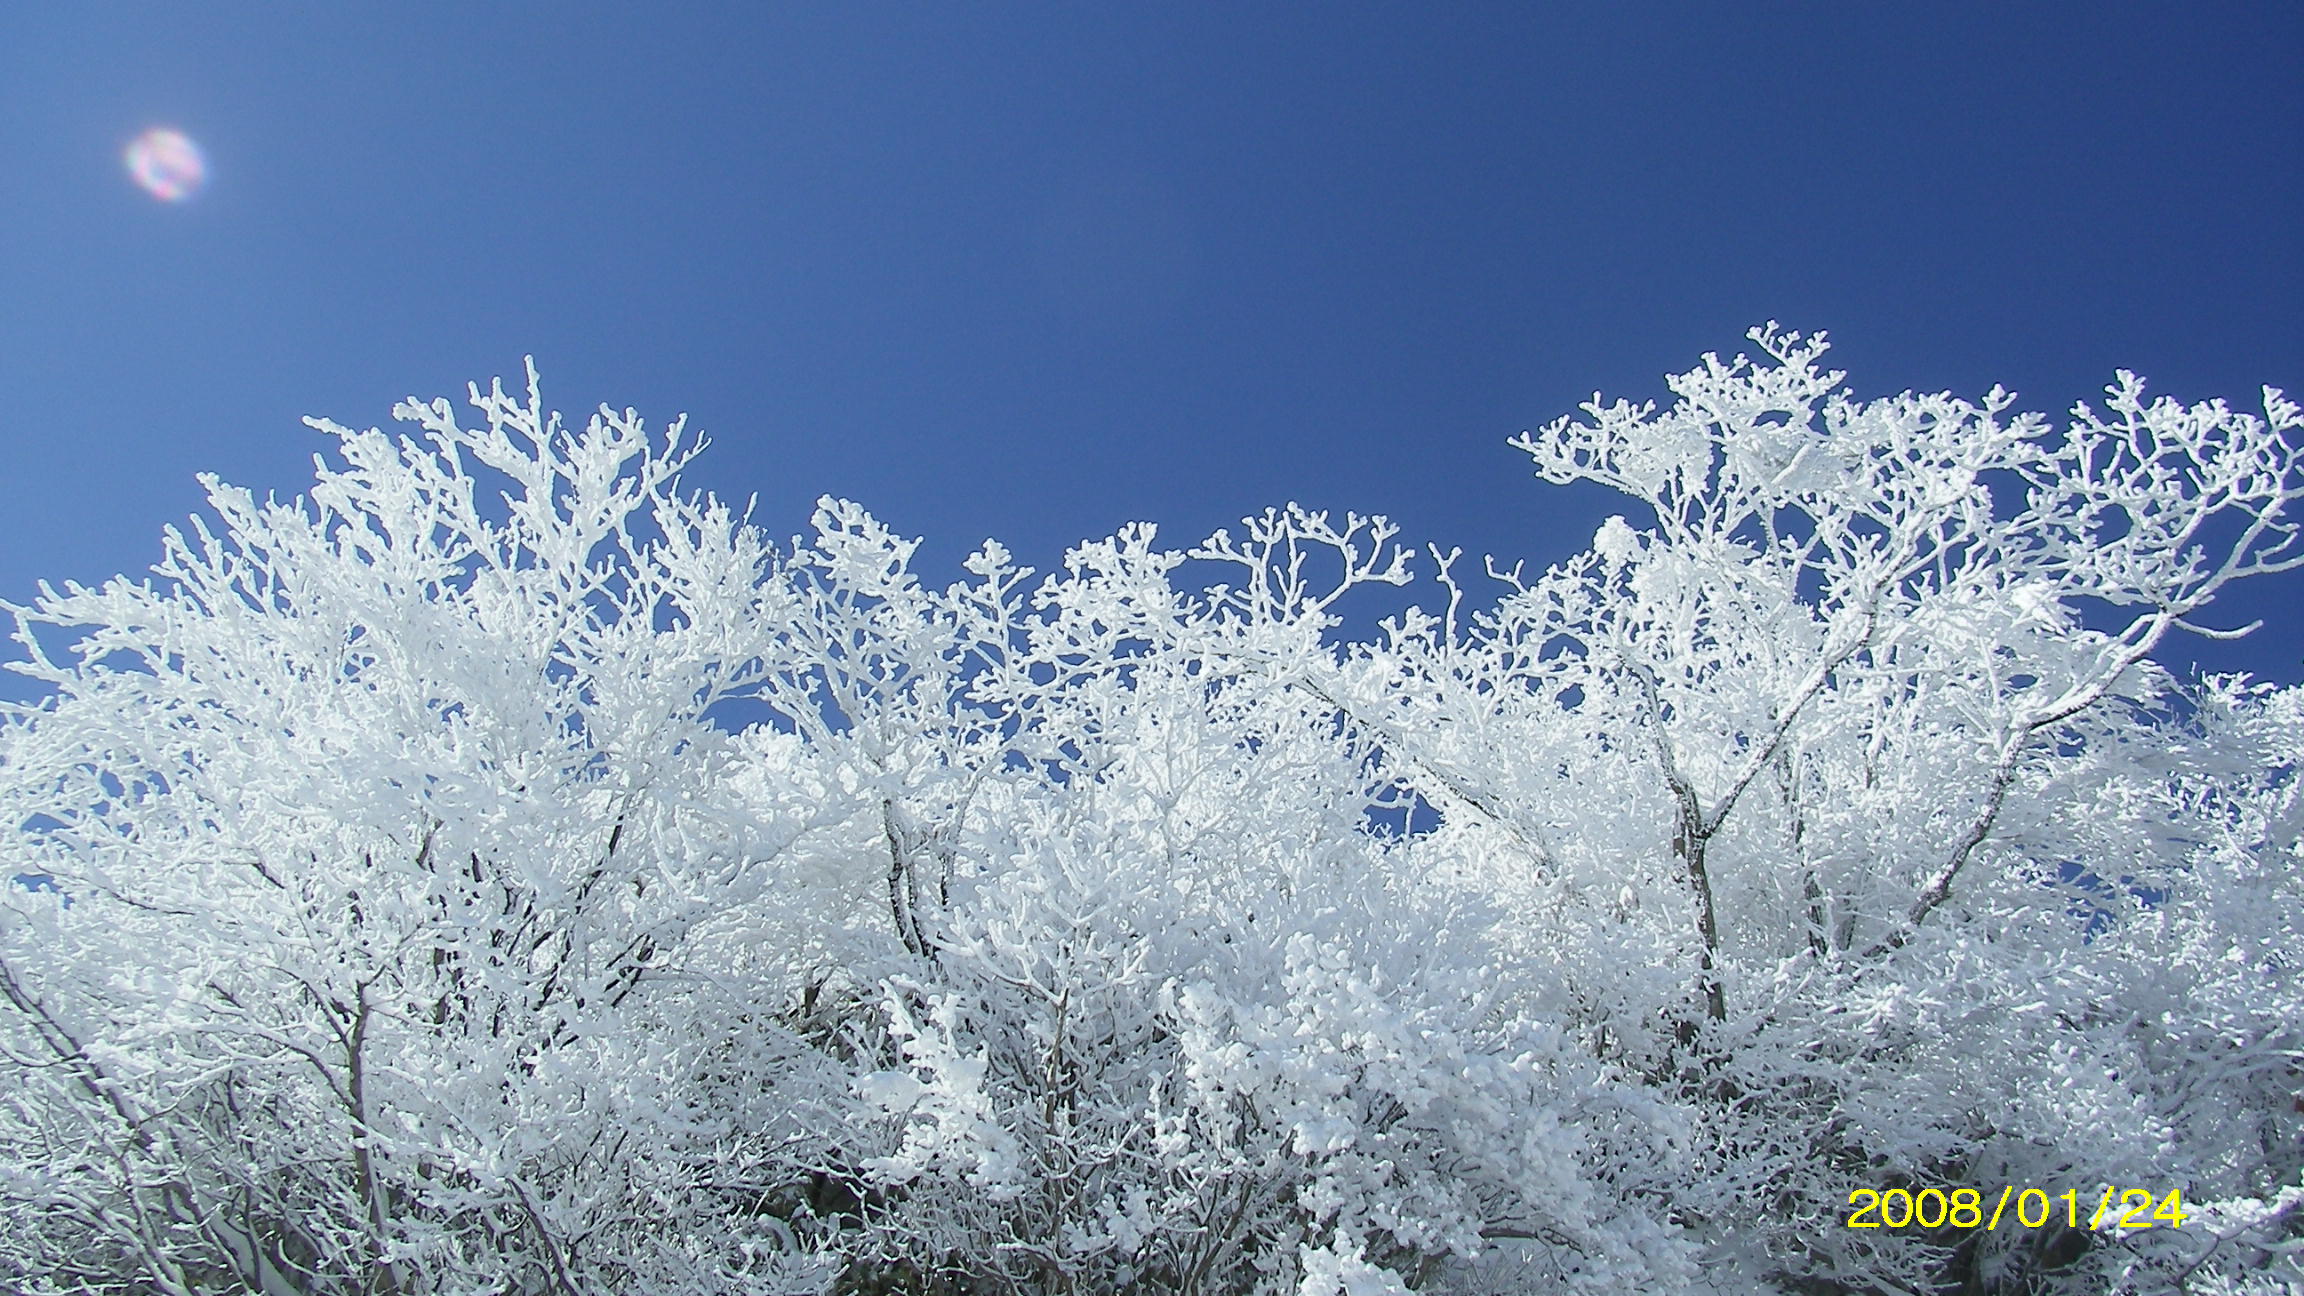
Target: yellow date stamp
column 1963, row 1208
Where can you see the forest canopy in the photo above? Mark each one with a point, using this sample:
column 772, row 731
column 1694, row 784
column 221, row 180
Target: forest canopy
column 502, row 869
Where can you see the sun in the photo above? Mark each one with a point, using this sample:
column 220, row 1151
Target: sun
column 166, row 163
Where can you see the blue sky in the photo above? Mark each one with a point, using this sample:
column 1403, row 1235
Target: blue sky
column 1034, row 271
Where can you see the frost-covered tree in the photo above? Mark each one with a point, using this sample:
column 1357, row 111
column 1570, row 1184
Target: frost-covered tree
column 390, row 859
column 1841, row 797
column 501, row 871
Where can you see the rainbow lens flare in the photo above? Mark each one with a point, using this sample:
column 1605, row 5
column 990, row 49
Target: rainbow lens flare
column 167, row 164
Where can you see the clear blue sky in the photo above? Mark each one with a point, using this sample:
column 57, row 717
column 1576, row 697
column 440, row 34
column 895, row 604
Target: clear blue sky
column 1035, row 271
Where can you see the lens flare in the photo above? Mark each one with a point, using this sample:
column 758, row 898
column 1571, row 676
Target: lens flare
column 167, row 164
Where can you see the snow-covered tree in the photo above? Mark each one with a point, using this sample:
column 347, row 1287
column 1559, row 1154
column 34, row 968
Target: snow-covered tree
column 502, row 871
column 1842, row 798
column 391, row 857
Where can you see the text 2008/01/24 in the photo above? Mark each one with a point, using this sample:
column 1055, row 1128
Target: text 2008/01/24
column 1934, row 1208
